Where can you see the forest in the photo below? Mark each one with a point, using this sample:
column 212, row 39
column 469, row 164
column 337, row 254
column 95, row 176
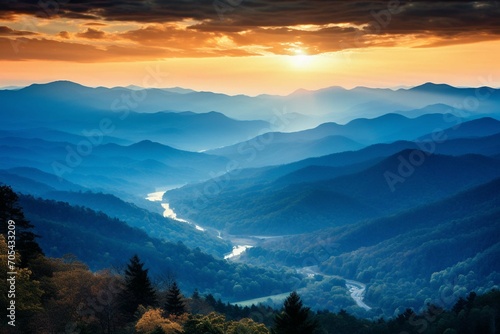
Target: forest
column 376, row 224
column 62, row 295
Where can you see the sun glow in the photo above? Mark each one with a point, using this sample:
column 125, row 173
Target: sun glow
column 301, row 59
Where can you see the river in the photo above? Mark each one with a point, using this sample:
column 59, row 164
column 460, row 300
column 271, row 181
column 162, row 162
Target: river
column 168, row 212
column 356, row 289
column 237, row 251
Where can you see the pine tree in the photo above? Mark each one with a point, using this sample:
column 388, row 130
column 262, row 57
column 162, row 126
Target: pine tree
column 294, row 319
column 138, row 289
column 175, row 301
column 10, row 210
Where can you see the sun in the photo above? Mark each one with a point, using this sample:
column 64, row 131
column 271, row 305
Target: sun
column 301, row 59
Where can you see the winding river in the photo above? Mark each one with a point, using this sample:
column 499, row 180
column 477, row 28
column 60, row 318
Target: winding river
column 170, row 213
column 356, row 289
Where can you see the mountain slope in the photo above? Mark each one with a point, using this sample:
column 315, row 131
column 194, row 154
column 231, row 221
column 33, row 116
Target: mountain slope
column 136, row 169
column 279, row 208
column 484, row 198
column 281, row 148
column 277, row 148
column 30, row 181
column 420, row 252
column 153, row 224
column 482, row 127
column 102, row 242
column 489, row 146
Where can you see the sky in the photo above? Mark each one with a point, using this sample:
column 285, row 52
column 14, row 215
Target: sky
column 250, row 46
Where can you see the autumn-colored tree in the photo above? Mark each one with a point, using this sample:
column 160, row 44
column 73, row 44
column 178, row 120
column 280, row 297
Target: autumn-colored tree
column 152, row 320
column 104, row 296
column 72, row 304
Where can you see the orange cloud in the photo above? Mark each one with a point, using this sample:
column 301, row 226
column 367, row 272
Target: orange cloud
column 6, row 31
column 45, row 49
column 92, row 34
column 63, row 34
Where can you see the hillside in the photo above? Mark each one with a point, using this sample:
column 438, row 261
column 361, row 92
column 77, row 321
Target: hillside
column 275, row 148
column 418, row 251
column 103, row 242
column 277, row 208
column 124, row 170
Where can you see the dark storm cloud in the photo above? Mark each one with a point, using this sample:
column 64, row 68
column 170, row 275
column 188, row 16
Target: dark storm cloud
column 404, row 17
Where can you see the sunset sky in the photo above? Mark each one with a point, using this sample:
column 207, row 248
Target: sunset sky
column 250, row 46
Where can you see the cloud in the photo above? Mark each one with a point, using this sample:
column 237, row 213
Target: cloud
column 6, row 31
column 200, row 28
column 186, row 42
column 63, row 34
column 437, row 17
column 92, row 34
column 97, row 24
column 23, row 48
column 44, row 49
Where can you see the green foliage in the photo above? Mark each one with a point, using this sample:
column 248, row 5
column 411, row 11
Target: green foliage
column 215, row 323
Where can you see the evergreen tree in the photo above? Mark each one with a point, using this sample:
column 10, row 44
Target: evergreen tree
column 175, row 301
column 294, row 319
column 138, row 289
column 10, row 210
column 196, row 295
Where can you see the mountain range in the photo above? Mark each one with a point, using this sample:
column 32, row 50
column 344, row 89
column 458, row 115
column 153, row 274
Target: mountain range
column 395, row 190
column 280, row 207
column 275, row 148
column 328, row 104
